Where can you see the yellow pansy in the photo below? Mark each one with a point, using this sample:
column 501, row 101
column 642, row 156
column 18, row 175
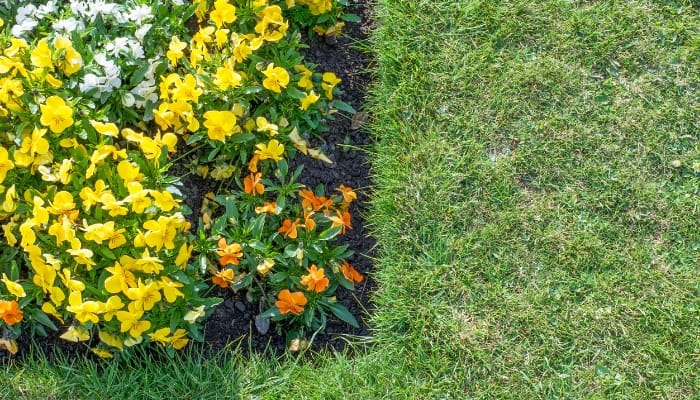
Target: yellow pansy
column 330, row 80
column 192, row 315
column 272, row 150
column 8, row 205
column 76, row 334
column 5, row 164
column 107, row 129
column 84, row 311
column 144, row 296
column 71, row 61
column 56, row 114
column 276, row 78
column 49, row 309
column 223, row 12
column 220, row 124
column 226, row 78
column 41, row 55
column 183, row 255
column 175, row 49
column 147, row 263
column 111, row 307
column 170, row 289
column 13, row 287
column 121, row 279
column 131, row 321
column 111, row 340
column 308, row 100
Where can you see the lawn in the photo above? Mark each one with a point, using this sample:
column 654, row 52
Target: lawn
column 536, row 172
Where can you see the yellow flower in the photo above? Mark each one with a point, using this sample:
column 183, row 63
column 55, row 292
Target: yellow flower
column 161, row 336
column 111, row 307
column 220, row 124
column 41, row 55
column 107, row 129
column 73, row 285
column 102, row 353
column 121, row 280
column 91, row 197
column 131, row 321
column 143, row 296
column 183, row 255
column 56, row 114
column 223, row 13
column 148, row 264
column 76, row 334
column 305, row 80
column 192, row 315
column 276, row 78
column 5, row 164
column 170, row 289
column 164, row 200
column 265, row 266
column 178, row 339
column 8, row 205
column 175, row 49
column 71, row 61
column 111, row 340
column 273, row 150
column 226, row 78
column 84, row 311
column 271, row 26
column 81, row 256
column 160, row 233
column 330, row 80
column 308, row 100
column 13, row 287
column 263, row 125
column 187, row 90
column 49, row 309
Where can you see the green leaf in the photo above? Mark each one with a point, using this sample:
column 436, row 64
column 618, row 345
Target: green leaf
column 245, row 282
column 330, row 233
column 258, row 226
column 350, row 17
column 343, row 106
column 270, row 313
column 43, row 319
column 342, row 312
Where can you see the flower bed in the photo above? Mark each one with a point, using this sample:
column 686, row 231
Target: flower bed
column 99, row 102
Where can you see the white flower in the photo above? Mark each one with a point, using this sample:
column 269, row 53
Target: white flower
column 68, row 26
column 128, row 100
column 116, row 46
column 142, row 31
column 26, row 12
column 178, row 2
column 25, row 26
column 48, row 8
column 90, row 81
column 140, row 14
column 136, row 49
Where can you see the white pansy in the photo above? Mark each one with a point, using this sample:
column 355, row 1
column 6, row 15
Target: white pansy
column 116, row 46
column 128, row 100
column 142, row 32
column 27, row 25
column 68, row 26
column 140, row 14
column 90, row 82
column 44, row 10
column 136, row 49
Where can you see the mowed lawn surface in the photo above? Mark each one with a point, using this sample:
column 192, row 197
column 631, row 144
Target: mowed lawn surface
column 537, row 170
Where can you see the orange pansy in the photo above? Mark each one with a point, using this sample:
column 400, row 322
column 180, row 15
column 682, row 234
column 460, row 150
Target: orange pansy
column 252, row 184
column 350, row 273
column 10, row 312
column 289, row 228
column 316, row 280
column 229, row 253
column 290, row 302
column 223, row 278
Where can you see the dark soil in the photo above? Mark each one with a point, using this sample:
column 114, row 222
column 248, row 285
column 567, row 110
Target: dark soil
column 233, row 321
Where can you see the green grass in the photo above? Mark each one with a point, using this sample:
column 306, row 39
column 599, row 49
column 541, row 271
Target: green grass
column 536, row 209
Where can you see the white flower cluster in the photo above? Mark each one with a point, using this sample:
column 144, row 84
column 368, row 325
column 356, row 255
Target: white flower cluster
column 115, row 50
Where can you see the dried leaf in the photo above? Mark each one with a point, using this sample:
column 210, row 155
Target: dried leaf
column 318, row 154
column 298, row 142
column 358, row 119
column 9, row 345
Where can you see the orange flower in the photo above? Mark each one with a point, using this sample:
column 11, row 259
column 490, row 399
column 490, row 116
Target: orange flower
column 341, row 219
column 316, row 280
column 350, row 273
column 252, row 185
column 10, row 312
column 309, row 222
column 253, row 163
column 348, row 194
column 290, row 302
column 312, row 203
column 229, row 253
column 223, row 278
column 289, row 228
